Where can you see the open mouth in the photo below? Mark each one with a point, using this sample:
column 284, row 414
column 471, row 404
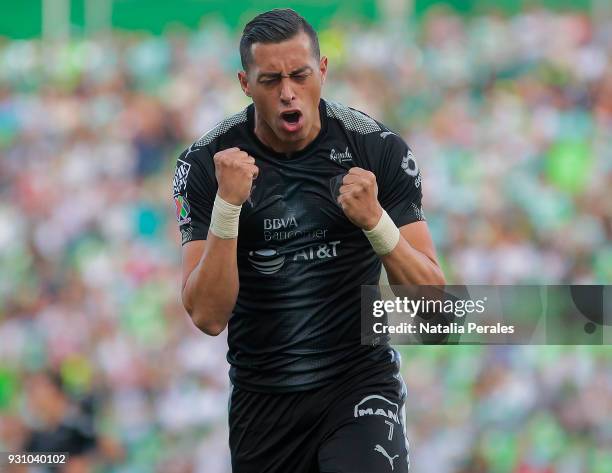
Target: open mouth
column 291, row 117
column 291, row 121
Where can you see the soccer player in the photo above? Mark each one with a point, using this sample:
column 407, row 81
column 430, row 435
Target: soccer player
column 285, row 210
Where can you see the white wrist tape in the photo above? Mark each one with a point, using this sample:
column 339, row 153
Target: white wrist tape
column 224, row 219
column 384, row 236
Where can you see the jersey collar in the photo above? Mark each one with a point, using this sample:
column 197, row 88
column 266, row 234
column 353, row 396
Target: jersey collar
column 298, row 154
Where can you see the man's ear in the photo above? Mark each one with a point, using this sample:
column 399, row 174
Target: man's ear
column 244, row 83
column 323, row 68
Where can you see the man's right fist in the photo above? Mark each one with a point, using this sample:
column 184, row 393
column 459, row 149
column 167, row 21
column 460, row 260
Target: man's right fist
column 235, row 171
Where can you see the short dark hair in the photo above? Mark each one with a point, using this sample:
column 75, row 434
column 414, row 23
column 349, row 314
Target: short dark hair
column 275, row 26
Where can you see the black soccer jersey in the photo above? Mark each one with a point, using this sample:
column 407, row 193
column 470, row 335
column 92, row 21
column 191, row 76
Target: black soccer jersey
column 301, row 262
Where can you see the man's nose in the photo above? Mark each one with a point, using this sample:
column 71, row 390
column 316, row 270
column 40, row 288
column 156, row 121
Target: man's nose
column 286, row 93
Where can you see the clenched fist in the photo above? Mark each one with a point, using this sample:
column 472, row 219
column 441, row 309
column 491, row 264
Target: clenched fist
column 235, row 171
column 359, row 198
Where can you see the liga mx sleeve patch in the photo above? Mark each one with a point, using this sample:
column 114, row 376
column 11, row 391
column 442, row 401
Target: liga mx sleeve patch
column 179, row 185
column 193, row 193
column 182, row 209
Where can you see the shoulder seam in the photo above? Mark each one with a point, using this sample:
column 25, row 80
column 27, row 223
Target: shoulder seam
column 219, row 129
column 351, row 118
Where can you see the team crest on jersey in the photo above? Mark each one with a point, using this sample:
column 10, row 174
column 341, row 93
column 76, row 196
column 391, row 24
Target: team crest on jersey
column 182, row 209
column 179, row 183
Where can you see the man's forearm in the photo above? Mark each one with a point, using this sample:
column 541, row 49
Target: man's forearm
column 405, row 265
column 212, row 287
column 211, row 290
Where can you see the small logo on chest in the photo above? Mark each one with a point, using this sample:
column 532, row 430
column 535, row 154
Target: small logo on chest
column 344, row 157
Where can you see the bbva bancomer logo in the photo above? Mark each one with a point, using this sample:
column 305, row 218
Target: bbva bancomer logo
column 279, row 223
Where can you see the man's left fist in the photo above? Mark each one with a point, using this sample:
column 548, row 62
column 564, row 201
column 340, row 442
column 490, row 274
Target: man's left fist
column 359, row 198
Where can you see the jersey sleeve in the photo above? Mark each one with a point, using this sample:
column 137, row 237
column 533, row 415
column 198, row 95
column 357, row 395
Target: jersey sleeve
column 194, row 187
column 399, row 180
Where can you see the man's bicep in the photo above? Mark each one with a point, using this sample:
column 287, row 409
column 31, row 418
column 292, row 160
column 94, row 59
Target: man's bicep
column 418, row 236
column 191, row 254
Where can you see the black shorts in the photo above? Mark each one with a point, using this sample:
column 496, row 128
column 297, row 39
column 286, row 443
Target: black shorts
column 354, row 425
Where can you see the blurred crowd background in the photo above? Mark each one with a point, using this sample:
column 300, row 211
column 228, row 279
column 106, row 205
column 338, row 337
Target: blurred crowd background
column 510, row 118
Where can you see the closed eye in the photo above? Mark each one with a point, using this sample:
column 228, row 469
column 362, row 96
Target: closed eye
column 269, row 80
column 275, row 79
column 300, row 77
